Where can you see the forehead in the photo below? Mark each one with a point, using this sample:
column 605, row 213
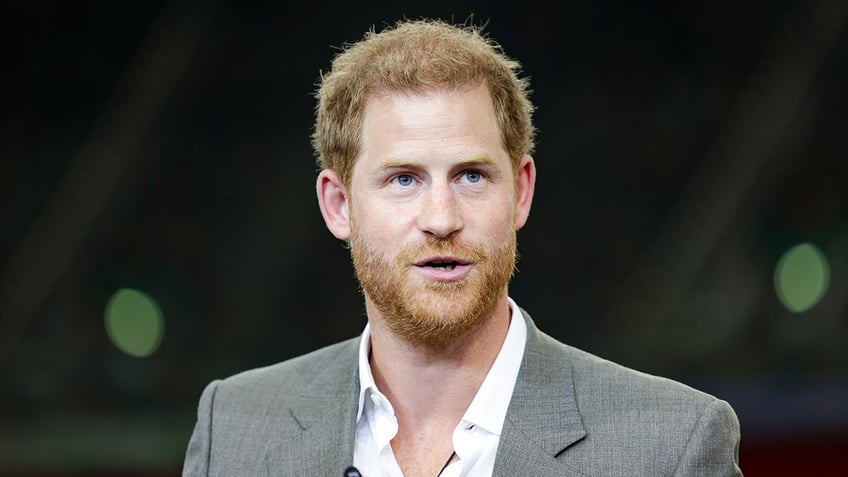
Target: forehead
column 435, row 122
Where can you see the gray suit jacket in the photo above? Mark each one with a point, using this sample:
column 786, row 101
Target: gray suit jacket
column 571, row 413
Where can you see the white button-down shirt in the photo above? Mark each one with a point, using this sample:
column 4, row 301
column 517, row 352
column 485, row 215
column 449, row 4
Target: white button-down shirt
column 475, row 438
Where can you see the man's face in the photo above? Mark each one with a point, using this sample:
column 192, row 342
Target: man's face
column 433, row 212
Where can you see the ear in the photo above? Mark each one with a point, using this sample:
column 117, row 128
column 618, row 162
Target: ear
column 333, row 201
column 524, row 187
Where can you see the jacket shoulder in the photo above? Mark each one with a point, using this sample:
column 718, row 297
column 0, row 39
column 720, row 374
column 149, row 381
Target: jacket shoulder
column 242, row 417
column 297, row 372
column 596, row 376
column 642, row 424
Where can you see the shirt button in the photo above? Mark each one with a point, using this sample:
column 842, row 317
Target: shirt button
column 375, row 399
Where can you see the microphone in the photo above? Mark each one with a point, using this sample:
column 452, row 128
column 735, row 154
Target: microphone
column 352, row 472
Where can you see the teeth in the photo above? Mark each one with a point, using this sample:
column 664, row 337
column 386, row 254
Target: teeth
column 445, row 266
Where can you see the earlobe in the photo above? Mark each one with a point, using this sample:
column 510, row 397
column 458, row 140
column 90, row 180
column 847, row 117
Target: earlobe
column 333, row 201
column 524, row 188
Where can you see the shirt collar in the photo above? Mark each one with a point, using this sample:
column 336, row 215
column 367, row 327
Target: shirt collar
column 366, row 379
column 489, row 406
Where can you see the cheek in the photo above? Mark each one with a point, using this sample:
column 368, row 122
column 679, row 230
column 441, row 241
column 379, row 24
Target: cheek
column 491, row 226
column 380, row 229
column 497, row 216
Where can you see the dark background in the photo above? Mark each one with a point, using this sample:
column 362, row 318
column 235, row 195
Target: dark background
column 164, row 146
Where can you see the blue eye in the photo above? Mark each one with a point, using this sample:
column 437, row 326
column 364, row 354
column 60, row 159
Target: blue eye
column 473, row 176
column 404, row 180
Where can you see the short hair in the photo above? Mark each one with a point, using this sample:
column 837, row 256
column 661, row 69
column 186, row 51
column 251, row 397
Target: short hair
column 416, row 56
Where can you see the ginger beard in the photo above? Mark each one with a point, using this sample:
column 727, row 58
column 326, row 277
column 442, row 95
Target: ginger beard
column 425, row 312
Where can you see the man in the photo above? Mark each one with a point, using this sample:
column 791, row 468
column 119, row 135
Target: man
column 423, row 132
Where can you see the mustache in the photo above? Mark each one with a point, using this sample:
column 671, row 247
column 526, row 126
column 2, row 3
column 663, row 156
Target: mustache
column 442, row 246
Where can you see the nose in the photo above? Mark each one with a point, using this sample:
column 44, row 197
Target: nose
column 440, row 213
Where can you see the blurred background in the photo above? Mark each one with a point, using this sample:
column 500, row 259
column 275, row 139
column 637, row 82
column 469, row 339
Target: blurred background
column 159, row 228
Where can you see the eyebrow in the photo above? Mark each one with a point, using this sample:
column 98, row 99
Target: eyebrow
column 480, row 160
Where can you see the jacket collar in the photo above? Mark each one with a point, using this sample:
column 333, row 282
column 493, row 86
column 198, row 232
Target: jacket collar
column 325, row 410
column 542, row 421
column 543, row 418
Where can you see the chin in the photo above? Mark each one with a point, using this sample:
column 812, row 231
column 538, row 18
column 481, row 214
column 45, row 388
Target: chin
column 437, row 319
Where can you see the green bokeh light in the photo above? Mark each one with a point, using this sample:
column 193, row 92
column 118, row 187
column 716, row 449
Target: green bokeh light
column 801, row 277
column 134, row 322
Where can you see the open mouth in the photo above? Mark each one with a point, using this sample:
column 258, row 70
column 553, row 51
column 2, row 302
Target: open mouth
column 443, row 268
column 441, row 263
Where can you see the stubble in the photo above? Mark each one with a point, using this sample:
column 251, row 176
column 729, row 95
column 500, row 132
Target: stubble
column 431, row 313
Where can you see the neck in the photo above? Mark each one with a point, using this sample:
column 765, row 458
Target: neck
column 425, row 383
column 430, row 389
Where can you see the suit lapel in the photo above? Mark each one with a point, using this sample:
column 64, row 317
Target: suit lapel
column 543, row 419
column 325, row 413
